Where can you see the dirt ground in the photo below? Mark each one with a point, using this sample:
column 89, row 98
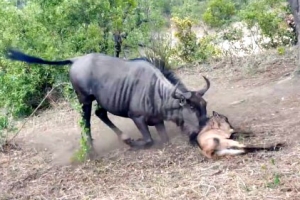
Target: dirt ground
column 255, row 93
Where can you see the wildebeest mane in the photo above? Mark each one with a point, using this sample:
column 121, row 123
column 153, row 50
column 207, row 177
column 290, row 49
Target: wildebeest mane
column 169, row 74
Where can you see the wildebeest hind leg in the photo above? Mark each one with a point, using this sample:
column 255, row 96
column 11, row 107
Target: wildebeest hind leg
column 102, row 114
column 147, row 140
column 86, row 116
column 161, row 129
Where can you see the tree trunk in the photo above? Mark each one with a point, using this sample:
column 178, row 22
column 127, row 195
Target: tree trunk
column 294, row 4
column 118, row 43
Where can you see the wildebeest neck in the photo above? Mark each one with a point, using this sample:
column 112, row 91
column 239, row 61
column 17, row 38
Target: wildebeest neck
column 172, row 111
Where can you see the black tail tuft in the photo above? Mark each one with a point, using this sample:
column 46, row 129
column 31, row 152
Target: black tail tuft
column 276, row 147
column 18, row 55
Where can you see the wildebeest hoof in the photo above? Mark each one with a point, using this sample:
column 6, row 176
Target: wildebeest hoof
column 140, row 144
column 165, row 141
column 92, row 155
column 128, row 141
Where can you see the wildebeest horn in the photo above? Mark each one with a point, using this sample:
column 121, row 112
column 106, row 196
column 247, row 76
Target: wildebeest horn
column 180, row 95
column 204, row 90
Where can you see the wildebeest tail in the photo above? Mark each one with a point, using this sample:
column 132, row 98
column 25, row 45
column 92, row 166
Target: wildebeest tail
column 17, row 55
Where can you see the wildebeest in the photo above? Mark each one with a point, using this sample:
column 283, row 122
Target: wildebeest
column 215, row 139
column 130, row 89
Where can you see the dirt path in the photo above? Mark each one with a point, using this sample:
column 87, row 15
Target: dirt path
column 265, row 103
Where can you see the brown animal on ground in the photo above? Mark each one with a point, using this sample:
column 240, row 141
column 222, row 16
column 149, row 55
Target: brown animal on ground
column 214, row 140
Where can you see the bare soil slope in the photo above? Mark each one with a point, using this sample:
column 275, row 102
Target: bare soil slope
column 253, row 92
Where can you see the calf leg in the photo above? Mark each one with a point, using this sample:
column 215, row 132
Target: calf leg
column 161, row 129
column 227, row 143
column 102, row 114
column 230, row 147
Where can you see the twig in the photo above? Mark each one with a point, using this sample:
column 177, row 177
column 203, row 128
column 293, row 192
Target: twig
column 35, row 110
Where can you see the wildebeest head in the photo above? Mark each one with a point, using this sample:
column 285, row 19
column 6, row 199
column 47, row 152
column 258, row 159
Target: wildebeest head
column 194, row 112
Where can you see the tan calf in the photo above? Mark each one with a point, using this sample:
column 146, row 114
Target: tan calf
column 214, row 139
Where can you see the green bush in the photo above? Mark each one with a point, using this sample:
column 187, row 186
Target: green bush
column 268, row 15
column 188, row 41
column 218, row 12
column 207, row 49
column 6, row 126
column 189, row 48
column 192, row 9
column 57, row 30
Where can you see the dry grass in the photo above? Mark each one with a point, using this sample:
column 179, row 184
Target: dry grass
column 177, row 171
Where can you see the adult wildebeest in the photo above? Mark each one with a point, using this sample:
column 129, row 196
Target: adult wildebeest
column 130, row 89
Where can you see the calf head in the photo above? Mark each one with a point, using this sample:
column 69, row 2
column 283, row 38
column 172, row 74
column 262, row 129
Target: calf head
column 219, row 121
column 216, row 121
column 193, row 108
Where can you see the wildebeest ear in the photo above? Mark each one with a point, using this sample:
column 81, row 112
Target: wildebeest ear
column 180, row 95
column 187, row 95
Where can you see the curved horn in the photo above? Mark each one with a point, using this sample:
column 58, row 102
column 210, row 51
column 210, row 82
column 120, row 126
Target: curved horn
column 174, row 92
column 204, row 90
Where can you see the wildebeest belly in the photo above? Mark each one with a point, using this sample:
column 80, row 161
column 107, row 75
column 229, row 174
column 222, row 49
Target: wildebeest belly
column 122, row 97
column 152, row 121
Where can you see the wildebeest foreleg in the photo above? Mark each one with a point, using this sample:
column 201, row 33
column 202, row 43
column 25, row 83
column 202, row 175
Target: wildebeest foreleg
column 147, row 140
column 102, row 114
column 160, row 128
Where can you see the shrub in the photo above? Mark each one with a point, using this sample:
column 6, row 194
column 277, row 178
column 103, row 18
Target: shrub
column 192, row 9
column 267, row 15
column 190, row 48
column 58, row 30
column 188, row 41
column 207, row 49
column 218, row 12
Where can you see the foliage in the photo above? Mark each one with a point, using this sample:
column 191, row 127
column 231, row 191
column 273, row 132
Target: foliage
column 267, row 14
column 160, row 47
column 232, row 34
column 188, row 40
column 218, row 12
column 189, row 48
column 3, row 126
column 207, row 49
column 58, row 30
column 6, row 126
column 191, row 9
column 85, row 149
